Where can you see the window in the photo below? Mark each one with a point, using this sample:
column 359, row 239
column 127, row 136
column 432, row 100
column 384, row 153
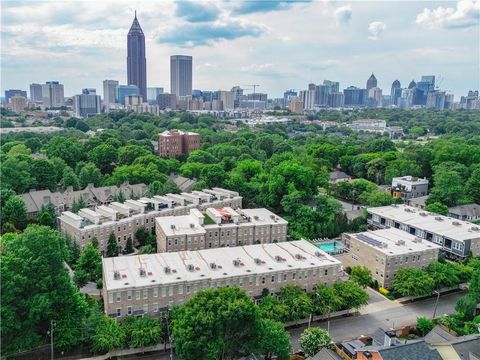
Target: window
column 263, row 280
column 155, row 307
column 164, row 291
column 110, row 298
column 129, row 310
column 326, row 272
column 129, row 295
column 293, row 276
column 273, row 278
column 137, row 295
column 188, row 289
column 284, row 277
column 119, row 312
column 170, row 291
column 180, row 289
column 354, row 257
column 155, row 292
column 119, row 296
column 145, row 308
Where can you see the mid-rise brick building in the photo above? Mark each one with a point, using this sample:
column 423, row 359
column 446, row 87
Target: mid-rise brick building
column 175, row 142
column 386, row 251
column 148, row 284
column 124, row 219
column 219, row 227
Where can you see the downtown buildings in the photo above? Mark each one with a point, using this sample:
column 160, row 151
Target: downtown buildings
column 136, row 60
column 181, row 75
column 88, row 103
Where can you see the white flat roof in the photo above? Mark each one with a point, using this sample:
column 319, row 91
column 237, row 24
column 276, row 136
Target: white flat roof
column 262, row 216
column 295, row 255
column 434, row 223
column 392, row 238
column 179, row 225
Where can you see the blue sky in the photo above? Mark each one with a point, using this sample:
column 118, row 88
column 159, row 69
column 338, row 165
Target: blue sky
column 278, row 45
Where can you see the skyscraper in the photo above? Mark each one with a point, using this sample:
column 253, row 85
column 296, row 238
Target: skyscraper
column 181, row 75
column 152, row 93
column 87, row 103
column 109, row 87
column 136, row 61
column 12, row 92
column 52, row 94
column 122, row 91
column 371, row 82
column 36, row 92
column 396, row 92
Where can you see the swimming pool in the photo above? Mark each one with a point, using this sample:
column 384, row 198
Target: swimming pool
column 331, row 247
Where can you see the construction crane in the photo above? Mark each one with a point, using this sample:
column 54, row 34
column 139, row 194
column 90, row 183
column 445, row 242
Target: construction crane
column 254, row 86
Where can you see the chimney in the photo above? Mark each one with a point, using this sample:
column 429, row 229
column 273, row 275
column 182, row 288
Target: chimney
column 389, row 339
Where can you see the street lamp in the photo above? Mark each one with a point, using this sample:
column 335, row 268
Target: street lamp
column 436, row 303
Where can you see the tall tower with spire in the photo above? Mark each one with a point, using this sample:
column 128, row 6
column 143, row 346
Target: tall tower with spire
column 136, row 61
column 371, row 82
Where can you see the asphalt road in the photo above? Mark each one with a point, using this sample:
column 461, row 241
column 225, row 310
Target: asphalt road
column 352, row 327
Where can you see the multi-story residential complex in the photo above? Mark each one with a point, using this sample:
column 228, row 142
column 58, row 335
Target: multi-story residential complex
column 88, row 103
column 109, row 89
column 175, row 142
column 219, row 227
column 167, row 101
column 12, row 92
column 467, row 212
column 408, row 187
column 91, row 196
column 149, row 284
column 36, row 92
column 296, row 105
column 124, row 219
column 458, row 238
column 18, row 103
column 181, row 75
column 386, row 251
column 136, row 60
column 52, row 94
column 354, row 97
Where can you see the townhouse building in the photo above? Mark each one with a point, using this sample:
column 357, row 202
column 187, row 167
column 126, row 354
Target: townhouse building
column 219, row 227
column 148, row 284
column 124, row 219
column 408, row 187
column 386, row 251
column 456, row 237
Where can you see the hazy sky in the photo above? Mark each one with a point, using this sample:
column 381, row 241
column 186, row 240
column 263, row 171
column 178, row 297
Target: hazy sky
column 278, row 45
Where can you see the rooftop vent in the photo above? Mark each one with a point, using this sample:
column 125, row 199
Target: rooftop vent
column 384, row 245
column 475, row 228
column 272, row 216
column 190, row 267
column 172, row 226
column 236, row 262
column 258, row 261
column 116, row 275
column 256, row 217
column 278, row 258
column 423, row 213
column 418, row 239
column 142, row 272
column 213, row 265
column 401, row 242
column 438, row 218
column 192, row 225
column 456, row 223
column 167, row 270
column 300, row 257
column 318, row 254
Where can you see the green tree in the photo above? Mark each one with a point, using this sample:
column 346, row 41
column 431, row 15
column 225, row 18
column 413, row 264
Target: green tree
column 273, row 340
column 213, row 175
column 424, row 325
column 47, row 216
column 443, row 275
column 129, row 246
column 109, row 335
column 89, row 174
column 36, row 289
column 19, row 149
column 437, row 208
column 70, row 179
column 352, row 295
column 44, row 173
column 66, row 148
column 361, row 275
column 298, row 302
column 89, row 263
column 128, row 154
column 77, row 205
column 448, row 189
column 16, row 175
column 112, row 247
column 270, row 307
column 142, row 331
column 313, row 340
column 376, row 198
column 216, row 323
column 146, row 249
column 104, row 157
column 412, row 282
column 472, row 188
column 15, row 213
column 466, row 306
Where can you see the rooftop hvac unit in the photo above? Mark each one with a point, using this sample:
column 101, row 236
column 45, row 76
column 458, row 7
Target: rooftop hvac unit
column 298, row 256
column 384, row 245
column 258, row 261
column 116, row 275
column 142, row 272
column 256, row 217
column 192, row 225
column 167, row 270
column 401, row 242
column 278, row 258
column 236, row 262
column 438, row 218
column 272, row 216
column 423, row 213
column 456, row 223
column 172, row 226
column 213, row 265
column 418, row 239
column 191, row 267
column 318, row 254
column 475, row 228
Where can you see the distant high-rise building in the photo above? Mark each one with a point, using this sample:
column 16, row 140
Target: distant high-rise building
column 412, row 84
column 371, row 82
column 406, row 99
column 109, row 93
column 308, row 99
column 152, row 93
column 18, row 103
column 375, row 95
column 296, row 105
column 124, row 90
column 321, row 95
column 175, row 142
column 258, row 96
column 36, row 92
column 87, row 103
column 136, row 60
column 335, row 99
column 312, row 86
column 435, row 100
column 227, row 98
column 52, row 94
column 354, row 96
column 237, row 95
column 167, row 101
column 12, row 92
column 395, row 92
column 181, row 75
column 335, row 85
column 133, row 100
column 288, row 95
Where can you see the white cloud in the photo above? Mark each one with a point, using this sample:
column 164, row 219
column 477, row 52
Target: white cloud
column 343, row 14
column 376, row 28
column 466, row 14
column 257, row 68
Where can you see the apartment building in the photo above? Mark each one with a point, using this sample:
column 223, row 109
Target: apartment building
column 219, row 227
column 456, row 237
column 124, row 219
column 175, row 142
column 149, row 284
column 386, row 251
column 408, row 187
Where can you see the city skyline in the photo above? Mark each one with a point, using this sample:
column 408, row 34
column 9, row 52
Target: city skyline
column 359, row 40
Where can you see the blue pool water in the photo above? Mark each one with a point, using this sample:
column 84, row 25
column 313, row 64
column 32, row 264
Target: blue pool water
column 331, row 247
